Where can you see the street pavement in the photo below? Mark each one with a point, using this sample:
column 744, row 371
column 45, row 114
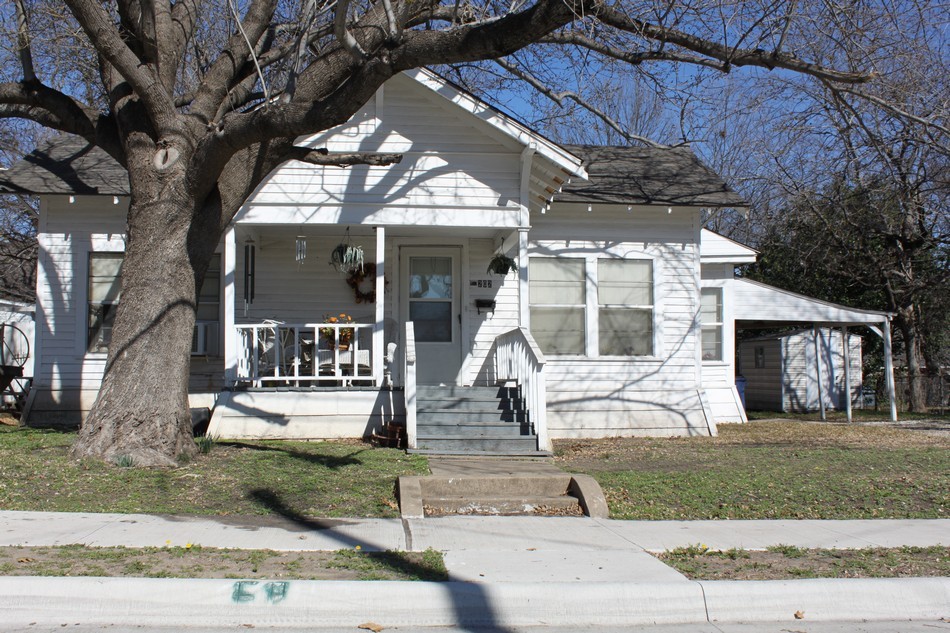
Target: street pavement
column 507, row 574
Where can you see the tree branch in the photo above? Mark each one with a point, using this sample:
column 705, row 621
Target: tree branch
column 23, row 42
column 98, row 26
column 559, row 97
column 224, row 70
column 343, row 34
column 340, row 159
column 729, row 55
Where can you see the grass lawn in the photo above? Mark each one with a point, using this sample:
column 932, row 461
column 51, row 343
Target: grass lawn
column 770, row 470
column 204, row 562
column 785, row 562
column 325, row 479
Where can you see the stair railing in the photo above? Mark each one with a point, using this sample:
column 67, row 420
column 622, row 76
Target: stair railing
column 519, row 359
column 409, row 384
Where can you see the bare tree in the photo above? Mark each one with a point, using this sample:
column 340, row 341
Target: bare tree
column 200, row 99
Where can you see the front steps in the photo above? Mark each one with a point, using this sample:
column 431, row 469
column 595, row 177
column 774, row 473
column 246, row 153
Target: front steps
column 495, row 486
column 473, row 421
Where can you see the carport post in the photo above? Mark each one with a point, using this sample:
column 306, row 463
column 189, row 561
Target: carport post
column 847, row 371
column 821, row 395
column 889, row 368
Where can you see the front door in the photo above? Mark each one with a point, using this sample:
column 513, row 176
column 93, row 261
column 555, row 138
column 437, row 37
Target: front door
column 430, row 299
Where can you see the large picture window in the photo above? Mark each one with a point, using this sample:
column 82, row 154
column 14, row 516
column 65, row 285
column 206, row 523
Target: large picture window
column 625, row 307
column 710, row 316
column 558, row 298
column 105, row 287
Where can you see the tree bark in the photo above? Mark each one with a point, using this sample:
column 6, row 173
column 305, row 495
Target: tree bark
column 908, row 324
column 142, row 409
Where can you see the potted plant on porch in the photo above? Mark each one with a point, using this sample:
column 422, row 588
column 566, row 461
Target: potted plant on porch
column 327, row 334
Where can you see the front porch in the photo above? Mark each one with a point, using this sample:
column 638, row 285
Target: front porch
column 416, row 317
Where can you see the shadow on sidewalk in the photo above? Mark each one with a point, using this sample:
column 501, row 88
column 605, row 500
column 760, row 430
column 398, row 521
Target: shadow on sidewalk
column 472, row 606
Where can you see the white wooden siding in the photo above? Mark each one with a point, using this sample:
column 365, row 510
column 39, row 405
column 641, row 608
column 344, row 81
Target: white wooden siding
column 659, row 395
column 717, row 248
column 456, row 170
column 66, row 378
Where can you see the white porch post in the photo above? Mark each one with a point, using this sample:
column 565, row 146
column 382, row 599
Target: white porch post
column 846, row 343
column 523, row 308
column 524, row 222
column 230, row 333
column 889, row 368
column 379, row 333
column 821, row 395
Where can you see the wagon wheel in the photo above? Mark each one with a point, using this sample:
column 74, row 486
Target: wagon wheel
column 14, row 346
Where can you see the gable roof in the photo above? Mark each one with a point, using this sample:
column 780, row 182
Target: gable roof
column 66, row 164
column 558, row 154
column 647, row 175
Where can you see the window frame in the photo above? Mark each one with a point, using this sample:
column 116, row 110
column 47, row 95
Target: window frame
column 591, row 344
column 582, row 306
column 714, row 325
column 101, row 349
column 649, row 308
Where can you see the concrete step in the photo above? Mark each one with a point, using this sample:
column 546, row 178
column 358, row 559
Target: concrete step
column 558, row 505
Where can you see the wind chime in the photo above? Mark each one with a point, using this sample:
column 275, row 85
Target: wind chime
column 301, row 252
column 248, row 274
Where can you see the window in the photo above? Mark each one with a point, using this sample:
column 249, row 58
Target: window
column 207, row 317
column 105, row 287
column 710, row 316
column 625, row 307
column 557, row 296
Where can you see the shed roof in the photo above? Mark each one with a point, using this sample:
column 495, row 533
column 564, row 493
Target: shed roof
column 66, row 164
column 647, row 175
column 756, row 302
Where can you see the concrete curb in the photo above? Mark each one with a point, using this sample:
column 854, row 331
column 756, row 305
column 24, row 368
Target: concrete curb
column 196, row 603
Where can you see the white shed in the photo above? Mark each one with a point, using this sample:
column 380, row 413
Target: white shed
column 797, row 371
column 17, row 336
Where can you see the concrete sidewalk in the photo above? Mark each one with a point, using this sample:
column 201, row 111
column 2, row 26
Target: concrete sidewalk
column 506, row 571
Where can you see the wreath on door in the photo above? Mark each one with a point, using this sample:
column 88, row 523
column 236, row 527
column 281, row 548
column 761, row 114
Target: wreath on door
column 356, row 279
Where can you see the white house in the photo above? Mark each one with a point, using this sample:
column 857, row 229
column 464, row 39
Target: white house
column 618, row 320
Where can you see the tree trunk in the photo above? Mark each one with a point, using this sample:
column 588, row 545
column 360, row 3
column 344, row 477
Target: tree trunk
column 908, row 324
column 142, row 409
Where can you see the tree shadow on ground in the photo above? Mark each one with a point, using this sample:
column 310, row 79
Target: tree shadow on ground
column 333, row 462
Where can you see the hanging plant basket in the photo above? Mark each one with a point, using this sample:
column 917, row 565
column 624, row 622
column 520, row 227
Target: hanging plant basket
column 347, row 258
column 502, row 265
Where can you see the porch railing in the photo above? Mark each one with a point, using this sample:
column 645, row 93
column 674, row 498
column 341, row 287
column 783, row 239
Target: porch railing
column 409, row 384
column 299, row 354
column 519, row 359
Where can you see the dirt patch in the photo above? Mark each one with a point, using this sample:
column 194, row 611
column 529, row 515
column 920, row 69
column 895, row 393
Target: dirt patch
column 204, row 562
column 787, row 562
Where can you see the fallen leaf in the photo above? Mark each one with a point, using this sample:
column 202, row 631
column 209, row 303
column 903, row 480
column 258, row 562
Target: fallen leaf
column 799, row 615
column 532, row 549
column 26, row 560
column 370, row 626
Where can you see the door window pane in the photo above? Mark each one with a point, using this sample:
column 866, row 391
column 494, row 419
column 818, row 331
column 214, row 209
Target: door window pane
column 430, row 278
column 432, row 321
